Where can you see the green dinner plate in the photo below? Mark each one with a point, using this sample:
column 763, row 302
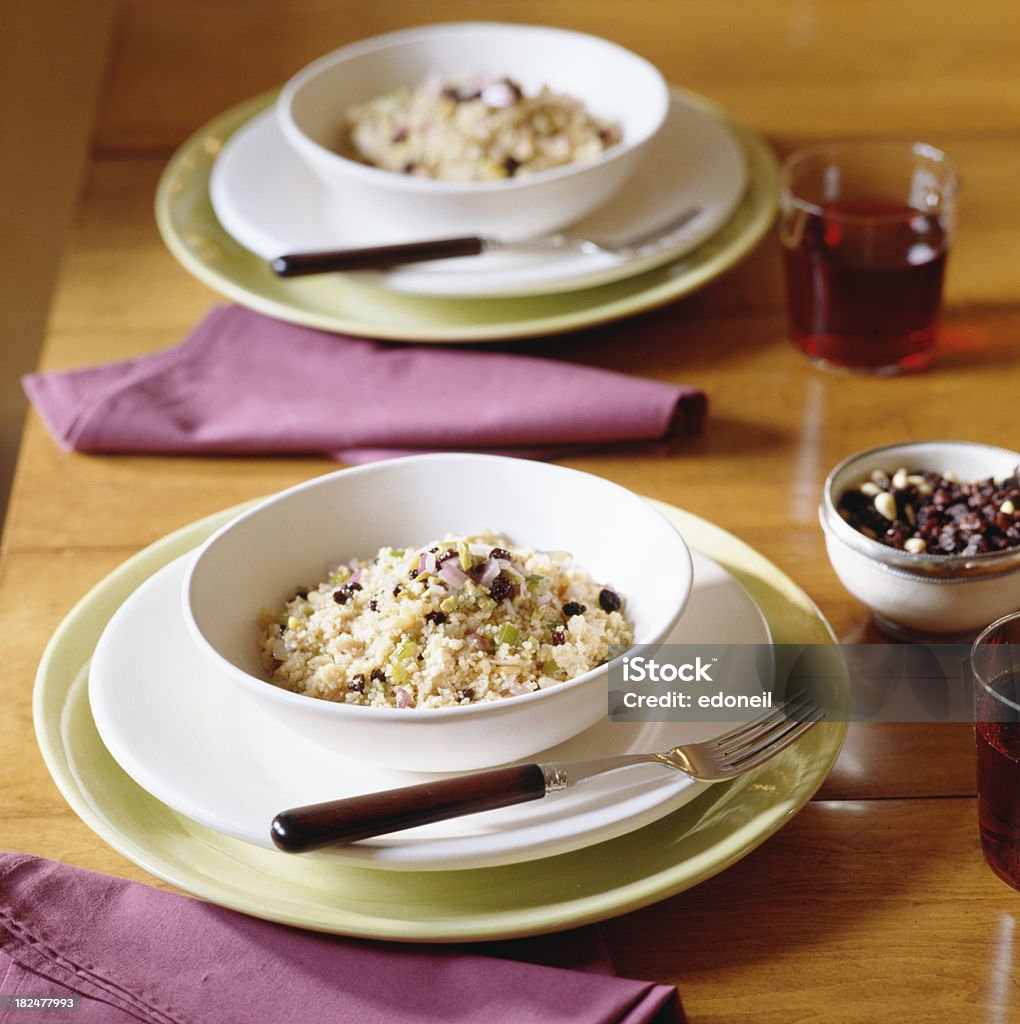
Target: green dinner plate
column 671, row 855
column 340, row 303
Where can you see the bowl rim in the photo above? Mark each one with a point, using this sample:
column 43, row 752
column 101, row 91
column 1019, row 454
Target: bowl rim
column 923, row 565
column 264, row 689
column 384, row 178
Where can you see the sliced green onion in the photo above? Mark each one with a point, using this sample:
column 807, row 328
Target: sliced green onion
column 550, row 668
column 534, row 578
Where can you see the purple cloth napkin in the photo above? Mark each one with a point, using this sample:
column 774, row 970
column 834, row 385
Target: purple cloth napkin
column 245, row 383
column 130, row 952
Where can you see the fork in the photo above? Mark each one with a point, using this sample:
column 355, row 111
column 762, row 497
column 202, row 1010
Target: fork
column 382, row 257
column 300, row 829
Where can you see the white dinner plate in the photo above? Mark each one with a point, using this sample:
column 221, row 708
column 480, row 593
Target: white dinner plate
column 267, row 199
column 188, row 740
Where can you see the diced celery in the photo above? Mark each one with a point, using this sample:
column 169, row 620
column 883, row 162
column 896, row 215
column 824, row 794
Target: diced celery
column 508, row 634
column 464, row 554
column 407, row 650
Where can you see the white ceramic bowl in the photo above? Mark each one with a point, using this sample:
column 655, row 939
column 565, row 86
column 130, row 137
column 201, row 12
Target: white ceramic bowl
column 612, row 82
column 922, row 596
column 259, row 558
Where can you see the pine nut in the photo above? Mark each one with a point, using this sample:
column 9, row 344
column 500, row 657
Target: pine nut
column 885, row 505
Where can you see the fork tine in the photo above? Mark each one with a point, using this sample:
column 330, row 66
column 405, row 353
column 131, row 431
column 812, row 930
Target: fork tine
column 661, row 233
column 752, row 729
column 771, row 746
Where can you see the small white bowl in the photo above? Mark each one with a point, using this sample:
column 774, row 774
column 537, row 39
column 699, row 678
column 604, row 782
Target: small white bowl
column 922, row 596
column 612, row 82
column 258, row 559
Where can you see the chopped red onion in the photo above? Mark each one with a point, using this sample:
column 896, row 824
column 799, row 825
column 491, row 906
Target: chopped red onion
column 512, row 570
column 478, row 641
column 453, row 576
column 500, row 94
column 490, row 570
column 403, row 697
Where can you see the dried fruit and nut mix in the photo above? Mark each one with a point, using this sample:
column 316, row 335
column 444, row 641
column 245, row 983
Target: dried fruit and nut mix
column 935, row 513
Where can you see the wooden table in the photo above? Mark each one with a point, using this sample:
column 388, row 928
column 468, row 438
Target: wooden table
column 874, row 903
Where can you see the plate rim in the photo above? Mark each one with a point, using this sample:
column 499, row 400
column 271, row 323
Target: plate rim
column 67, row 653
column 647, row 290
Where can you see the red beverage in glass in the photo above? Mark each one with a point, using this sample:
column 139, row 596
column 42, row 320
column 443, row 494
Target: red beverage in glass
column 864, row 284
column 998, row 785
column 865, row 228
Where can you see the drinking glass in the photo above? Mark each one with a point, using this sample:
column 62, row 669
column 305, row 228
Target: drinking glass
column 995, row 667
column 865, row 229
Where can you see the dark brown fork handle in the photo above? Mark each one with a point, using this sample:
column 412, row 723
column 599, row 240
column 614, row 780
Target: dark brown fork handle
column 377, row 257
column 346, row 821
